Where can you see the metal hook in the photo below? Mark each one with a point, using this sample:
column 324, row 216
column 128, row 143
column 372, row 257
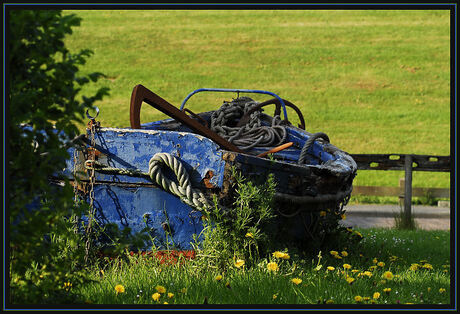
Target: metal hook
column 90, row 117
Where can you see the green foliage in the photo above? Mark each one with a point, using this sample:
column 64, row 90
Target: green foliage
column 44, row 84
column 238, row 233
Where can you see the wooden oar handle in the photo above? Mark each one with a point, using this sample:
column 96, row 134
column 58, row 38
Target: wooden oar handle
column 276, row 149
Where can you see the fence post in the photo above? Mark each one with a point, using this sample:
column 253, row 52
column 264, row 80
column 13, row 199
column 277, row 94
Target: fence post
column 402, row 188
column 407, row 189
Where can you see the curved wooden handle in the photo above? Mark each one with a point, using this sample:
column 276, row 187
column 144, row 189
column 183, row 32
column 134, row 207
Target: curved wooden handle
column 141, row 93
column 276, row 149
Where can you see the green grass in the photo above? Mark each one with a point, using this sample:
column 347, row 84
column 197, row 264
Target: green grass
column 193, row 284
column 375, row 81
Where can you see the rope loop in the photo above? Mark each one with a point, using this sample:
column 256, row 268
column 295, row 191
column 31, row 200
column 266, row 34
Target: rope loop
column 183, row 188
column 309, row 143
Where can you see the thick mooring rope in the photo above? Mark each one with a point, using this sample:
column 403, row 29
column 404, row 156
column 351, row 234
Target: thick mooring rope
column 251, row 134
column 183, row 188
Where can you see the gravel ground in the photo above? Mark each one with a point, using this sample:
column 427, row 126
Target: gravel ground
column 368, row 216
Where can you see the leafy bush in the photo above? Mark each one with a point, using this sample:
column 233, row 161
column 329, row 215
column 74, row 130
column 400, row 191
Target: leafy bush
column 45, row 255
column 238, row 233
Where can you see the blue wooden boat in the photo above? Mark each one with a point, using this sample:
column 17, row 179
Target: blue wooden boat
column 158, row 175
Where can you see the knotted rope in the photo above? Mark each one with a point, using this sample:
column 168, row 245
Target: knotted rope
column 251, row 134
column 182, row 188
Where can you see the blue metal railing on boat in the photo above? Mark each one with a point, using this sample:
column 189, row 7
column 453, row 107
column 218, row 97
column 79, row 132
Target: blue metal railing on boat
column 255, row 91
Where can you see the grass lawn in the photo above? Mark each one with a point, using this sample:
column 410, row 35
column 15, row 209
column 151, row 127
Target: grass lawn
column 375, row 81
column 386, row 267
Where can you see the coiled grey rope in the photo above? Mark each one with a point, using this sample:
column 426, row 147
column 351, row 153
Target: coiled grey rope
column 183, row 188
column 251, row 134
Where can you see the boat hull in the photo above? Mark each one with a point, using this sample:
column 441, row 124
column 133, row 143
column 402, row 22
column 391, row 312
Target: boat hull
column 141, row 204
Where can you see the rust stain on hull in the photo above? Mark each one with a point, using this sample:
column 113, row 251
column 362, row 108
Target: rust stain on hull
column 207, row 179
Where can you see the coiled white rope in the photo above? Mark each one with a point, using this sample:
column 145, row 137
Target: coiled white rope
column 182, row 188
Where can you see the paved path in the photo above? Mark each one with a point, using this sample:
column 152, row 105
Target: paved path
column 368, row 216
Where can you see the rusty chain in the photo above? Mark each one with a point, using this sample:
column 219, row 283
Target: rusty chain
column 92, row 127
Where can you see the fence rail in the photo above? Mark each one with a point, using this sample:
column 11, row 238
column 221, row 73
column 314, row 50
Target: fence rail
column 408, row 163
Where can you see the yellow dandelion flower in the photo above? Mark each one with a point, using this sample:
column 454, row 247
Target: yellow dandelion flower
column 427, row 266
column 354, row 271
column 375, row 261
column 388, row 275
column 170, row 295
column 272, row 266
column 277, row 254
column 358, row 298
column 296, row 281
column 442, row 290
column 331, row 268
column 366, row 298
column 334, row 253
column 165, row 302
column 286, row 256
column 330, row 301
column 322, row 213
column 387, row 290
column 372, row 268
column 358, row 234
column 239, row 263
column 156, row 296
column 346, row 266
column 218, row 277
column 67, row 285
column 160, row 289
column 376, row 295
column 414, row 266
column 380, row 264
column 343, row 216
column 337, row 256
column 249, row 235
column 367, row 273
column 282, row 255
column 119, row 289
column 344, row 253
column 350, row 280
column 275, row 296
